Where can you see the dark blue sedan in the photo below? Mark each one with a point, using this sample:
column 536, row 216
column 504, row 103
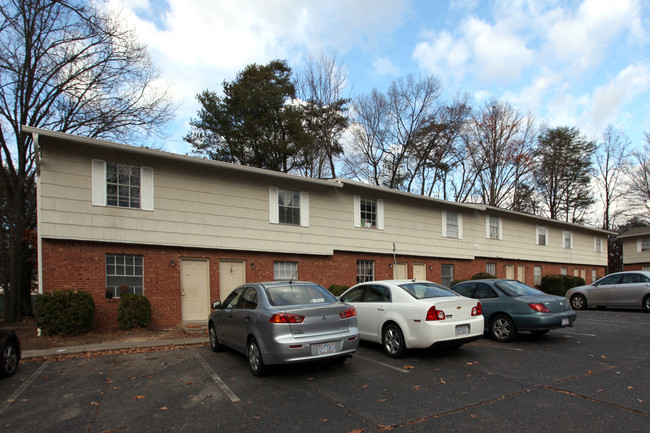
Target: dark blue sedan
column 510, row 306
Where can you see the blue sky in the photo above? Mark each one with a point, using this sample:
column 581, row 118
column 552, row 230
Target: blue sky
column 575, row 63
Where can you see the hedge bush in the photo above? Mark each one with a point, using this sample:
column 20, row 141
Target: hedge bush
column 134, row 310
column 64, row 312
column 338, row 289
column 482, row 276
column 559, row 284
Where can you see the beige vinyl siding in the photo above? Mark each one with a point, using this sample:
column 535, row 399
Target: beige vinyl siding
column 631, row 253
column 204, row 206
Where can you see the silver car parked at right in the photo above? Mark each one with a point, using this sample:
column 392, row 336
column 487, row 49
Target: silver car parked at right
column 621, row 289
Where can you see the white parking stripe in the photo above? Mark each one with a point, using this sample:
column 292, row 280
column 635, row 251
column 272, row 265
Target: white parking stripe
column 505, row 346
column 401, row 370
column 562, row 331
column 22, row 388
column 216, row 378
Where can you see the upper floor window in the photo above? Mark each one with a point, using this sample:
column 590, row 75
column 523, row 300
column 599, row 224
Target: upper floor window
column 598, row 244
column 643, row 244
column 452, row 225
column 122, row 185
column 368, row 212
column 542, row 236
column 285, row 270
column 567, row 239
column 288, row 207
column 493, row 227
column 124, row 274
column 365, row 270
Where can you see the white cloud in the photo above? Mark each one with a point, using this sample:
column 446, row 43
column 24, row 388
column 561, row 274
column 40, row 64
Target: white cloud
column 384, row 66
column 442, row 55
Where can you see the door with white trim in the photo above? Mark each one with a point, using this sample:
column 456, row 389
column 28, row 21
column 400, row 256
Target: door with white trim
column 195, row 290
column 232, row 273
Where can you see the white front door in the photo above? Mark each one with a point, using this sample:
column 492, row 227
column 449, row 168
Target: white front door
column 232, row 273
column 195, row 290
column 419, row 271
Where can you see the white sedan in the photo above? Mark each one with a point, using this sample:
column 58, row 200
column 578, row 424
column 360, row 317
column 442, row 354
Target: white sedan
column 410, row 314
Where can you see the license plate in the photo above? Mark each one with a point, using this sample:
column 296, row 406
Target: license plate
column 565, row 321
column 326, row 348
column 462, row 330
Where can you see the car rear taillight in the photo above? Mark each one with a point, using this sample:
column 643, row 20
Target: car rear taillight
column 478, row 310
column 286, row 318
column 540, row 308
column 434, row 314
column 350, row 312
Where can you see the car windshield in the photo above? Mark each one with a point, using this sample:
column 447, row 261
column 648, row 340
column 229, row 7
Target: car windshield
column 298, row 294
column 427, row 290
column 516, row 288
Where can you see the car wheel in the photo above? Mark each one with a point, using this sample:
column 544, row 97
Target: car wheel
column 540, row 333
column 393, row 341
column 503, row 329
column 8, row 359
column 255, row 361
column 646, row 304
column 214, row 340
column 578, row 302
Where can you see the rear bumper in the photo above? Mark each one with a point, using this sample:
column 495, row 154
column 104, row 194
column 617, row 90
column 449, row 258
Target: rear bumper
column 302, row 350
column 544, row 321
column 444, row 333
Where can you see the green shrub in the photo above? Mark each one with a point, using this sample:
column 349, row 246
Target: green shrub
column 337, row 289
column 64, row 312
column 134, row 310
column 571, row 281
column 455, row 282
column 559, row 284
column 482, row 276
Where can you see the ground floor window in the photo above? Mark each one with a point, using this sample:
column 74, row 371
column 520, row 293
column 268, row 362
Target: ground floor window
column 285, row 270
column 365, row 270
column 564, row 271
column 447, row 275
column 594, row 274
column 124, row 274
column 537, row 276
column 491, row 268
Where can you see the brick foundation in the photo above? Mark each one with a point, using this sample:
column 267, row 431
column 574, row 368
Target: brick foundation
column 81, row 266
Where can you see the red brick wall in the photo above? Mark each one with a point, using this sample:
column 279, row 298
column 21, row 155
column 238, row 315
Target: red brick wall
column 634, row 266
column 81, row 266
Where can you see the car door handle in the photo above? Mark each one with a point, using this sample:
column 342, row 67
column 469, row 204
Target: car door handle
column 382, row 308
column 247, row 318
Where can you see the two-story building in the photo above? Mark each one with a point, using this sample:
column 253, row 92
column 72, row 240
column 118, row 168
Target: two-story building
column 636, row 249
column 184, row 231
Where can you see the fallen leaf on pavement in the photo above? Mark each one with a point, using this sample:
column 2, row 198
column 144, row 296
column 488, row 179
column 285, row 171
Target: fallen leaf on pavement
column 140, row 397
column 443, row 381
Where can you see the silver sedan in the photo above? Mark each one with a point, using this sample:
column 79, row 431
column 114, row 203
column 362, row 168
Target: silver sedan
column 283, row 322
column 621, row 289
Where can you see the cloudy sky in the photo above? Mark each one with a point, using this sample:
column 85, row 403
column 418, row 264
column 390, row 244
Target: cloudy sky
column 576, row 63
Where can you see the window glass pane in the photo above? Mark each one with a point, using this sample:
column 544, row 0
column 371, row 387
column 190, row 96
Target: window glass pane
column 538, row 275
column 427, row 290
column 368, row 213
column 541, row 235
column 298, row 295
column 365, row 270
column 285, row 270
column 645, row 244
column 447, row 275
column 494, row 227
column 123, row 275
column 122, row 185
column 289, row 207
column 491, row 268
column 452, row 225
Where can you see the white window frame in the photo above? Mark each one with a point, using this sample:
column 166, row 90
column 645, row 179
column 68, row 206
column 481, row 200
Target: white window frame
column 564, row 239
column 448, row 222
column 594, row 275
column 640, row 248
column 537, row 275
column 99, row 185
column 126, row 267
column 283, row 271
column 488, row 232
column 564, row 270
column 537, row 235
column 491, row 268
column 598, row 244
column 446, row 277
column 274, row 209
column 365, row 270
column 357, row 212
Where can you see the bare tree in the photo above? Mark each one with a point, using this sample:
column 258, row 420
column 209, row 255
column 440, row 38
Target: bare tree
column 499, row 142
column 69, row 67
column 321, row 87
column 640, row 177
column 612, row 162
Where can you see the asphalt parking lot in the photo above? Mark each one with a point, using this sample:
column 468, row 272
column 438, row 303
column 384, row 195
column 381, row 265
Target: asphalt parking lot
column 589, row 378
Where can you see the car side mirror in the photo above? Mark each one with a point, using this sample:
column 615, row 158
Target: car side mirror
column 216, row 305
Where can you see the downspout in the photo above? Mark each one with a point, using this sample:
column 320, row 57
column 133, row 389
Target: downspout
column 39, row 249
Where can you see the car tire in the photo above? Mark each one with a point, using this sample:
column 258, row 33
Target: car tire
column 502, row 328
column 646, row 304
column 214, row 340
column 392, row 341
column 540, row 333
column 255, row 361
column 578, row 302
column 8, row 359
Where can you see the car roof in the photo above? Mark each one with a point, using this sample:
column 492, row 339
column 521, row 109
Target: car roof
column 281, row 283
column 398, row 282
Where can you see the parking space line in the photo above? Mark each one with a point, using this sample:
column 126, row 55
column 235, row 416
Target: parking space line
column 216, row 378
column 504, row 346
column 575, row 333
column 22, row 388
column 401, row 370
